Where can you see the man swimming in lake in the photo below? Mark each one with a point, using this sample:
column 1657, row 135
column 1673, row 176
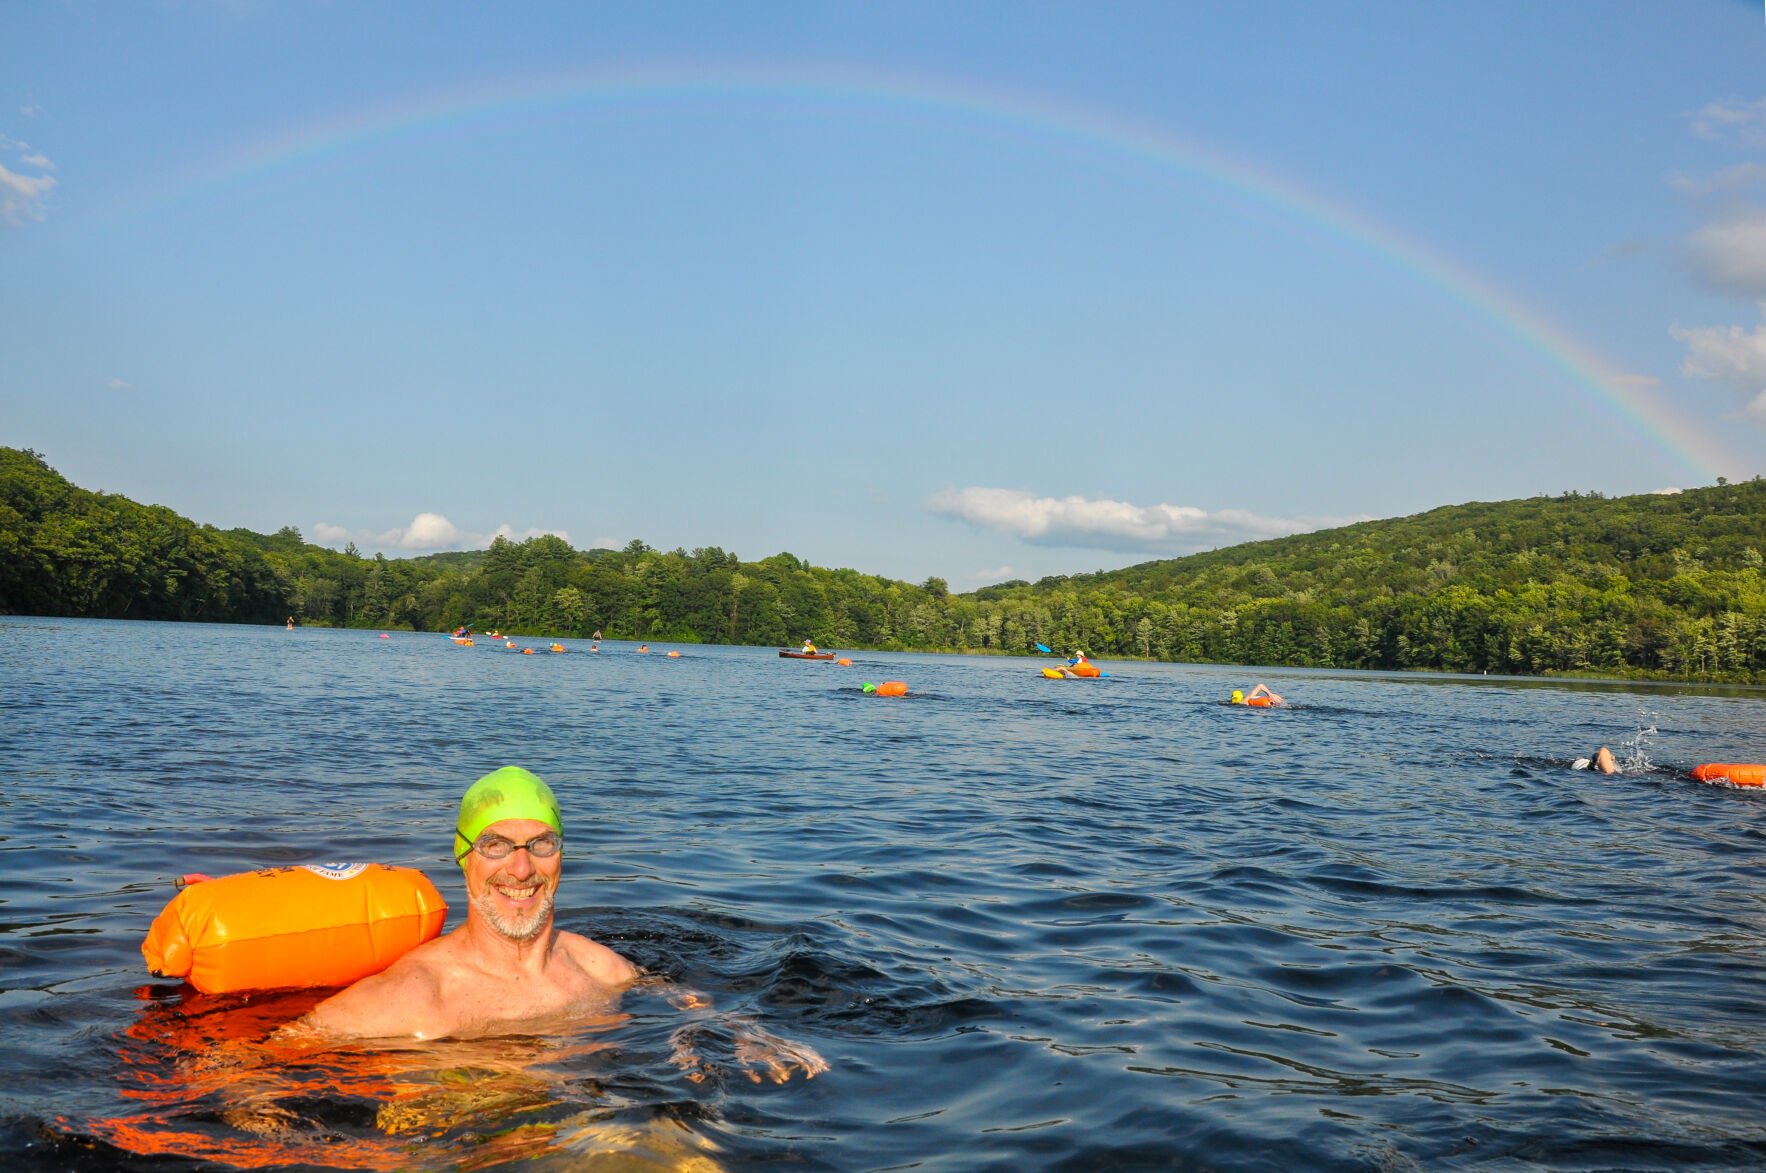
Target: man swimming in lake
column 509, row 963
column 1259, row 697
column 1602, row 762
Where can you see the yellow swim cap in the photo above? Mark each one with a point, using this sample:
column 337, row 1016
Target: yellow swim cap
column 508, row 793
column 1238, row 696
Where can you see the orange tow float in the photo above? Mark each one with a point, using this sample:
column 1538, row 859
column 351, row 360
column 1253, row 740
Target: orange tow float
column 318, row 925
column 888, row 688
column 1734, row 773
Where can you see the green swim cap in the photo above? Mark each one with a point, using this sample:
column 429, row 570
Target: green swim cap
column 508, row 793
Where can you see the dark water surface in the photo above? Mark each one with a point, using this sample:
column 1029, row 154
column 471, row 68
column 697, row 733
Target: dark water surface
column 1030, row 924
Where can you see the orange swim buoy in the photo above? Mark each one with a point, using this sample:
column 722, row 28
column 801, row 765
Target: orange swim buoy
column 527, row 651
column 843, row 662
column 557, row 647
column 674, row 655
column 319, row 925
column 1261, row 702
column 1735, row 773
column 892, row 688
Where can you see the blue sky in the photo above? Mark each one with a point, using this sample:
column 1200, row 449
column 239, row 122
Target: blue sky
column 980, row 291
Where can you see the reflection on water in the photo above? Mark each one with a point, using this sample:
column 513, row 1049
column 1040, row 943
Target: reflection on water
column 1029, row 923
column 211, row 1077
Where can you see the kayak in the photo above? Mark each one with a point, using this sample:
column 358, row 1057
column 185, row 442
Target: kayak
column 785, row 655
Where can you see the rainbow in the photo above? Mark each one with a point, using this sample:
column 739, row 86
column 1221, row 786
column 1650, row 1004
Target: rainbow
column 1689, row 446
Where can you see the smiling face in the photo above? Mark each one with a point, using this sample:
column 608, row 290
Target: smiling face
column 514, row 894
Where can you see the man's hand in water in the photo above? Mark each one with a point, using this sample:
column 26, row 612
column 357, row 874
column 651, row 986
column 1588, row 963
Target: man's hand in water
column 745, row 1046
column 762, row 1054
column 719, row 1041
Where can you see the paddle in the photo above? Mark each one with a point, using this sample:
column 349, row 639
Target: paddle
column 1045, row 649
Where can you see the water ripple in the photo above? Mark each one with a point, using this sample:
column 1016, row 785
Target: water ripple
column 1030, row 924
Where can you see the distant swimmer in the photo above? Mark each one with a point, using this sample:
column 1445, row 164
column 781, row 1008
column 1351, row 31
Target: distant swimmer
column 291, row 623
column 1258, row 698
column 597, row 634
column 642, row 648
column 1602, row 761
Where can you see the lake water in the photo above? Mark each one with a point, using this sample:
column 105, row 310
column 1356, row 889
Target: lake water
column 1030, row 924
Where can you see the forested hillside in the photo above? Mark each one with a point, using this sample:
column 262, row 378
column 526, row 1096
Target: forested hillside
column 1667, row 584
column 1658, row 585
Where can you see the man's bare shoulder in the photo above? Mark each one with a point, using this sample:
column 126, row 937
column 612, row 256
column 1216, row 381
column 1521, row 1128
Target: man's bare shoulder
column 403, row 999
column 600, row 963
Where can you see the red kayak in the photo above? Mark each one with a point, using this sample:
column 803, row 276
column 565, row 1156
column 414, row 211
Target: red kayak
column 785, row 655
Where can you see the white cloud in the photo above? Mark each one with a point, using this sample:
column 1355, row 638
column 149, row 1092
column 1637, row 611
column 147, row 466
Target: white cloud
column 1730, row 253
column 30, row 110
column 120, row 385
column 40, row 162
column 1114, row 525
column 1728, row 181
column 22, row 197
column 1744, row 120
column 1732, row 355
column 995, row 574
column 427, row 533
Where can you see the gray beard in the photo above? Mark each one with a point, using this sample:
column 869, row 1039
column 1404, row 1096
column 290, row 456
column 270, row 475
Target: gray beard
column 521, row 931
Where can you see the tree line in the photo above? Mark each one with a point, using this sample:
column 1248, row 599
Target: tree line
column 1666, row 585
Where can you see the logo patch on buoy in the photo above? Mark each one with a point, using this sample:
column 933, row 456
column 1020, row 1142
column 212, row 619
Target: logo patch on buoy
column 336, row 871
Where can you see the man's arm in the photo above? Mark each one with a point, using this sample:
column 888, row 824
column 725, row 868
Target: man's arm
column 399, row 1002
